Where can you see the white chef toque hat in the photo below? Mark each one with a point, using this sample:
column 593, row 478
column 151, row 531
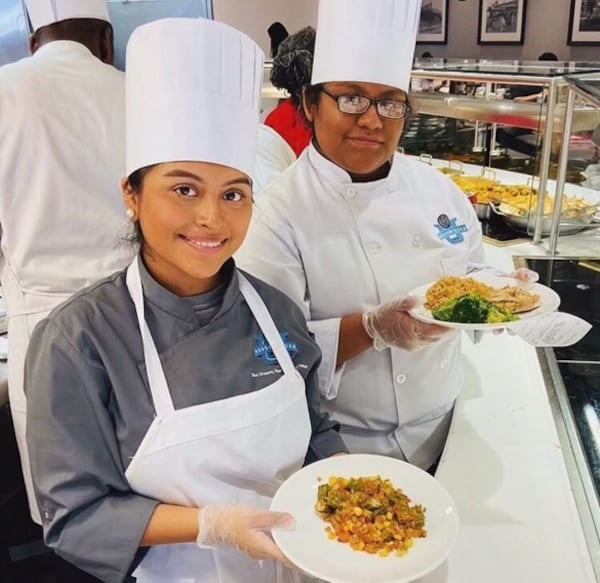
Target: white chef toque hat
column 193, row 94
column 44, row 12
column 369, row 41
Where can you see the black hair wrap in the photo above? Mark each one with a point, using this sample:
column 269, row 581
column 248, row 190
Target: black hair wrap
column 292, row 67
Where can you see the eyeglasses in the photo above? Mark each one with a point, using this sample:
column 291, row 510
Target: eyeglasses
column 359, row 104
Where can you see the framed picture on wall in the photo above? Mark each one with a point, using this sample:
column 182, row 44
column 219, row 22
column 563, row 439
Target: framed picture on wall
column 584, row 23
column 433, row 25
column 501, row 22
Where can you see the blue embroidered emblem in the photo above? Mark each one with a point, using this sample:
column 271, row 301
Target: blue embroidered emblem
column 263, row 349
column 449, row 231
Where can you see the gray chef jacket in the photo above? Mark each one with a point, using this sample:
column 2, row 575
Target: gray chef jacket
column 89, row 403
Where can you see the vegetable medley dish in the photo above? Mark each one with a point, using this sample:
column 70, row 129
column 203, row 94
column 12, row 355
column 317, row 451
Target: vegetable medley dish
column 466, row 300
column 370, row 515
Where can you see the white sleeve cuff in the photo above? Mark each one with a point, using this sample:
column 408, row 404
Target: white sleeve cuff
column 327, row 334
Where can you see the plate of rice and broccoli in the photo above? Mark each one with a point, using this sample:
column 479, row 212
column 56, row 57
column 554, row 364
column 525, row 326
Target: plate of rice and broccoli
column 482, row 301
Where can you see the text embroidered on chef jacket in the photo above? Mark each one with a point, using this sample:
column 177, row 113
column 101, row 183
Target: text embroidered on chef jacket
column 262, row 348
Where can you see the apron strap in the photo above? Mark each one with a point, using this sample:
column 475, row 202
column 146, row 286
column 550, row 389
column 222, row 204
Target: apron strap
column 266, row 324
column 156, row 377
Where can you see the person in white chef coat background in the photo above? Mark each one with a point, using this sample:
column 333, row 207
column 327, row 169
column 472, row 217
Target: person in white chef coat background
column 273, row 156
column 352, row 227
column 62, row 131
column 187, row 390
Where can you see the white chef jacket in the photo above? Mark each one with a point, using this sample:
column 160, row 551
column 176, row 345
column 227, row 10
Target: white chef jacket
column 338, row 248
column 62, row 146
column 273, row 156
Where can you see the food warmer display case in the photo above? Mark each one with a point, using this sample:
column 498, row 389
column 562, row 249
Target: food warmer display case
column 473, row 121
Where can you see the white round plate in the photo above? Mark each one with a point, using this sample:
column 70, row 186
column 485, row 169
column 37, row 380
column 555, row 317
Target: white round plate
column 549, row 301
column 309, row 547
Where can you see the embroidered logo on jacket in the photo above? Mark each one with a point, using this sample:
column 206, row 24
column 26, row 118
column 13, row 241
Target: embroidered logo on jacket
column 449, row 231
column 262, row 349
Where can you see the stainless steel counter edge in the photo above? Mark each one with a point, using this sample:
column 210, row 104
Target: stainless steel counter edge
column 584, row 491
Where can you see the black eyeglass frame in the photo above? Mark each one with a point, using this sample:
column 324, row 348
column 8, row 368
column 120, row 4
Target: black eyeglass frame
column 375, row 102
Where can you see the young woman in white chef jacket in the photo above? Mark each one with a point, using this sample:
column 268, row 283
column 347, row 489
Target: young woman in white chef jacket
column 168, row 402
column 352, row 227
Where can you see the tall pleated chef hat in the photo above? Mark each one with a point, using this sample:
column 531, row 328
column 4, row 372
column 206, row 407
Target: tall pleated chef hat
column 193, row 94
column 44, row 12
column 370, row 41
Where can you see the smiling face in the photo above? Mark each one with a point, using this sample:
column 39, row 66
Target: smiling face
column 193, row 217
column 360, row 144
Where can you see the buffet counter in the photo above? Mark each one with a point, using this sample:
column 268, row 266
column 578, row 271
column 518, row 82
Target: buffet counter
column 505, row 467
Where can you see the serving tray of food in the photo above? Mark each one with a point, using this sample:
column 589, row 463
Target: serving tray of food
column 514, row 197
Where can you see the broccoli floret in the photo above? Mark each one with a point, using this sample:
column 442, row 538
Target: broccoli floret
column 466, row 309
column 445, row 311
column 472, row 309
column 497, row 315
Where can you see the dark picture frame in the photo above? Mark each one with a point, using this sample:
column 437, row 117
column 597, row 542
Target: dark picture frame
column 501, row 22
column 433, row 24
column 584, row 23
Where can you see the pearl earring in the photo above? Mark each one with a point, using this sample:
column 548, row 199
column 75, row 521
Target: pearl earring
column 130, row 213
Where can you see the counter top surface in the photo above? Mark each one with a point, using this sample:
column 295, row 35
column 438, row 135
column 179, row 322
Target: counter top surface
column 504, row 467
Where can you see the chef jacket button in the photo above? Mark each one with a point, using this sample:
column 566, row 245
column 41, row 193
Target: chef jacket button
column 416, row 241
column 444, row 363
column 351, row 192
column 401, row 379
column 391, row 186
column 374, row 248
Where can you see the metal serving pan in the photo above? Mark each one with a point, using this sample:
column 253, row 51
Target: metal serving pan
column 571, row 222
column 483, row 211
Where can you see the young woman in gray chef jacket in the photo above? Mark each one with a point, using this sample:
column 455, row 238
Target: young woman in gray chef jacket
column 166, row 403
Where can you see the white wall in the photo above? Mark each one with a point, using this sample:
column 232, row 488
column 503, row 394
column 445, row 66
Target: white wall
column 254, row 16
column 546, row 29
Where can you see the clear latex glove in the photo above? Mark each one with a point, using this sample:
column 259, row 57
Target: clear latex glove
column 525, row 275
column 245, row 528
column 477, row 335
column 390, row 324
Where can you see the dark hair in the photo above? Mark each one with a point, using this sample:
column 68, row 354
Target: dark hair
column 135, row 236
column 90, row 32
column 277, row 34
column 292, row 67
column 136, row 178
column 427, row 55
column 547, row 57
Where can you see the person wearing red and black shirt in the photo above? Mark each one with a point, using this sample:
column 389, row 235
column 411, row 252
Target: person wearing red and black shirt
column 292, row 68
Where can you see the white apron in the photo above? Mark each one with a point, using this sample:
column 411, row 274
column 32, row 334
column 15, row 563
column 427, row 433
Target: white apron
column 24, row 310
column 233, row 451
